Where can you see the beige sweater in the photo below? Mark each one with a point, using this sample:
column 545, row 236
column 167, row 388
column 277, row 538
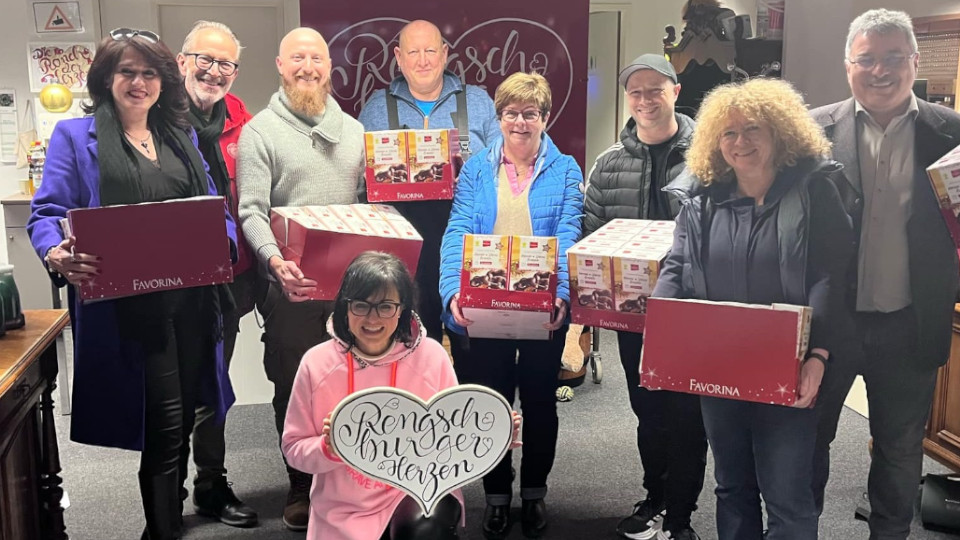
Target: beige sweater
column 513, row 211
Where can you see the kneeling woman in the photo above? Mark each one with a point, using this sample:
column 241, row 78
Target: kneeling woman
column 377, row 341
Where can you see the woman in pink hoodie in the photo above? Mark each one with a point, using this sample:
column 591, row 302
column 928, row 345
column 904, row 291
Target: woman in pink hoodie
column 377, row 341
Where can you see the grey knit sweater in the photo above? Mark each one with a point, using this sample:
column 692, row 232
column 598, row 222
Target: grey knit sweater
column 287, row 160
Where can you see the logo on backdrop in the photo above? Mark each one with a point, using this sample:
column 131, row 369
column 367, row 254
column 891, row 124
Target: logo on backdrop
column 484, row 54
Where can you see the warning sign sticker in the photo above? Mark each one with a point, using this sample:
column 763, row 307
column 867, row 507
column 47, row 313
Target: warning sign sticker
column 51, row 17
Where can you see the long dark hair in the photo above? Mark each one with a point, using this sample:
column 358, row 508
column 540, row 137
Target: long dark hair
column 370, row 273
column 172, row 106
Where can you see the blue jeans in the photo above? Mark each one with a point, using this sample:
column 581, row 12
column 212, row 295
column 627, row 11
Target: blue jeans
column 765, row 451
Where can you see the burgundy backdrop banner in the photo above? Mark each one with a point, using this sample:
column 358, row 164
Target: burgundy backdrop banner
column 488, row 41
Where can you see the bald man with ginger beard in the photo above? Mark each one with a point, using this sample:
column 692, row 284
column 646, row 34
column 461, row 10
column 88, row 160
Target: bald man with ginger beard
column 301, row 150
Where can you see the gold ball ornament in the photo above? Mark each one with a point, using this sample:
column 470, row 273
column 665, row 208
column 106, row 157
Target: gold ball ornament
column 56, row 97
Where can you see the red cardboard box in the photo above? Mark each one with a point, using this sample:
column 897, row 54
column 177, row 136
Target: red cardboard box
column 324, row 240
column 427, row 171
column 613, row 272
column 152, row 247
column 944, row 175
column 504, row 281
column 721, row 359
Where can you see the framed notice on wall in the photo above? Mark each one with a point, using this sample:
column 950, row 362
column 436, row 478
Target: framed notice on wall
column 67, row 62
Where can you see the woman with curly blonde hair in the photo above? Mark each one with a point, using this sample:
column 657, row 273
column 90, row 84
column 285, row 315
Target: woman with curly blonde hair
column 761, row 222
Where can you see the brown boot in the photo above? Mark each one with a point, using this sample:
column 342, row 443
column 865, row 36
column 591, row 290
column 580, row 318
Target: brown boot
column 296, row 513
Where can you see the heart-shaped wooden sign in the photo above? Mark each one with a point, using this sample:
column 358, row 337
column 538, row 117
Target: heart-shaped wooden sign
column 427, row 449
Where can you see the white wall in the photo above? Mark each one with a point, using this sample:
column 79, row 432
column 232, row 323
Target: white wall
column 16, row 30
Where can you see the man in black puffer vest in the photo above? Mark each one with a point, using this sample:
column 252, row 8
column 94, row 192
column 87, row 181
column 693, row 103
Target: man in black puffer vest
column 627, row 181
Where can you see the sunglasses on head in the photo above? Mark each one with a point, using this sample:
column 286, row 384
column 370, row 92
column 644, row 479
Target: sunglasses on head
column 121, row 34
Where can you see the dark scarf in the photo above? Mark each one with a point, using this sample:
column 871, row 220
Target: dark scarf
column 120, row 184
column 119, row 168
column 208, row 133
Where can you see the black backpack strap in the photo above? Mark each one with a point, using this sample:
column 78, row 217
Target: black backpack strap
column 393, row 114
column 462, row 121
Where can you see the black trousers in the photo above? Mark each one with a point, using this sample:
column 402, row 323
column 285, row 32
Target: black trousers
column 899, row 394
column 290, row 329
column 670, row 438
column 531, row 367
column 409, row 523
column 430, row 219
column 172, row 367
column 208, row 434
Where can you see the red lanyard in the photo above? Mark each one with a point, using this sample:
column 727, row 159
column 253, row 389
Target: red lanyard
column 350, row 384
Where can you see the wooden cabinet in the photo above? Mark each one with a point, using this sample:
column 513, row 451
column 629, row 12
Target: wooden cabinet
column 30, row 489
column 942, row 440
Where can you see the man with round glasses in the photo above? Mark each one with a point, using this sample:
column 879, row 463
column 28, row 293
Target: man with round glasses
column 902, row 290
column 208, row 62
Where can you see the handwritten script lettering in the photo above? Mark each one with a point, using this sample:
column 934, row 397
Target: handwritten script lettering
column 484, row 54
column 68, row 64
column 427, row 450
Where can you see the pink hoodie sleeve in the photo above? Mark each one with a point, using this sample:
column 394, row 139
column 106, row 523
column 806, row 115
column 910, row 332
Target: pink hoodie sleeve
column 302, row 443
column 448, row 377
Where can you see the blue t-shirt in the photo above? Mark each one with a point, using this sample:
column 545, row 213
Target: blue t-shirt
column 425, row 106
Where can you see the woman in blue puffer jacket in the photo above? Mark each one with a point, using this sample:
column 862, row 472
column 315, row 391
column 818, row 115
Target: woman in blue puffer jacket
column 521, row 185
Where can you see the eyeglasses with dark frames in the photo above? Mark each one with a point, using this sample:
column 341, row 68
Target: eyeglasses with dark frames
column 530, row 115
column 206, row 62
column 889, row 62
column 385, row 309
column 123, row 34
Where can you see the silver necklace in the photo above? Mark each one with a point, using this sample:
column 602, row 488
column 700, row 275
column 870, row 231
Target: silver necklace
column 143, row 141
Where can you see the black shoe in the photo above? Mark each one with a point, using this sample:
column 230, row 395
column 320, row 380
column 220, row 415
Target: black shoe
column 533, row 518
column 645, row 521
column 496, row 521
column 216, row 499
column 677, row 533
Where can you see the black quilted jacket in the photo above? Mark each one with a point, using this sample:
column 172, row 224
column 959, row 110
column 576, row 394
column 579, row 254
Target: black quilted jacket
column 619, row 183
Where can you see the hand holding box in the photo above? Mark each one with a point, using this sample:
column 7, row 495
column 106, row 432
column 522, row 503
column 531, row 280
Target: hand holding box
column 508, row 285
column 324, row 240
column 700, row 347
column 184, row 241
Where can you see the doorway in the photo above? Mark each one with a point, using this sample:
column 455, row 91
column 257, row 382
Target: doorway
column 603, row 91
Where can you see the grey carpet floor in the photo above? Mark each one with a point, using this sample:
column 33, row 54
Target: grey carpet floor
column 594, row 483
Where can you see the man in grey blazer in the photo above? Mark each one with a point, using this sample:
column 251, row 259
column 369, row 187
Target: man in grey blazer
column 904, row 285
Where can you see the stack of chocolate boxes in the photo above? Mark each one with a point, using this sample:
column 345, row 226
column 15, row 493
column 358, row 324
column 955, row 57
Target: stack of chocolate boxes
column 323, row 240
column 508, row 285
column 613, row 272
column 411, row 165
column 945, row 176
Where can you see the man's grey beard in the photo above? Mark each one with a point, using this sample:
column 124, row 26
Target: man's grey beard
column 306, row 103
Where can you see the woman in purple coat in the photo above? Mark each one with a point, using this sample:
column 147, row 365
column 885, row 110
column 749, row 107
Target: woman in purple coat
column 140, row 363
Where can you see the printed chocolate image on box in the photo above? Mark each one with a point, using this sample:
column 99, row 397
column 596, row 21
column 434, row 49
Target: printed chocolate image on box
column 613, row 272
column 533, row 261
column 387, row 156
column 635, row 270
column 590, row 277
column 429, row 154
column 485, row 257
